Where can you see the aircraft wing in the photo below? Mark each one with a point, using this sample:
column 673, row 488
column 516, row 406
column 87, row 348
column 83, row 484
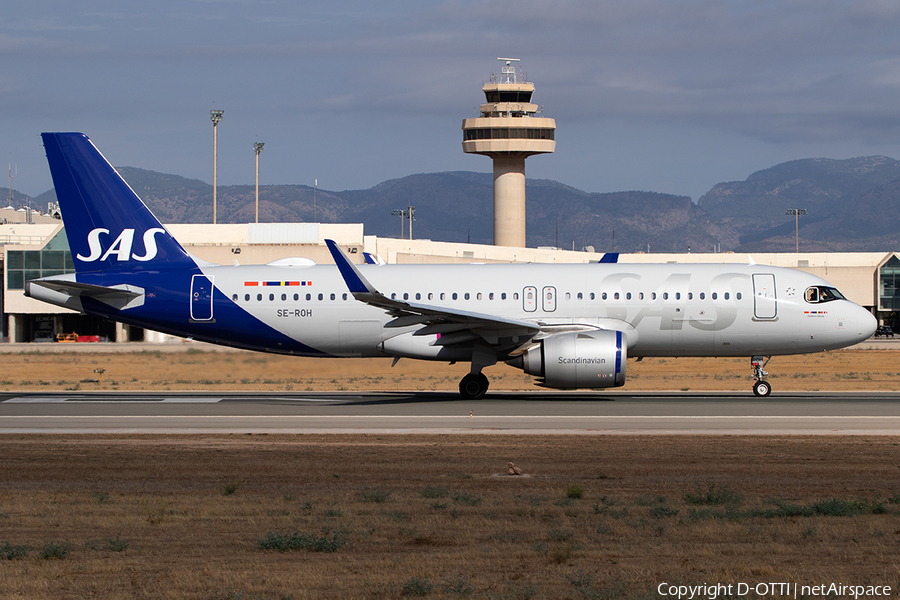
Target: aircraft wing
column 436, row 319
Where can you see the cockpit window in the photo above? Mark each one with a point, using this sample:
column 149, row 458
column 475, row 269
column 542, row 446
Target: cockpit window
column 820, row 293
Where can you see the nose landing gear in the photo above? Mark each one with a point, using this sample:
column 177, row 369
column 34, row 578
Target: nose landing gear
column 761, row 388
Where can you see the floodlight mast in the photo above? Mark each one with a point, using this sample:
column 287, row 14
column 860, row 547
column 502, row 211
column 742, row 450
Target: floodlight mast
column 399, row 212
column 796, row 212
column 257, row 147
column 215, row 116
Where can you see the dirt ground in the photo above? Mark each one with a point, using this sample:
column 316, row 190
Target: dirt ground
column 213, row 517
column 202, row 369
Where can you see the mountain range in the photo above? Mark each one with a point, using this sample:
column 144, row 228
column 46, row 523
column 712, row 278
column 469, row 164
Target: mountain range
column 851, row 204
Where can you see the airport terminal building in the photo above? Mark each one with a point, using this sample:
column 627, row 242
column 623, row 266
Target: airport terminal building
column 35, row 245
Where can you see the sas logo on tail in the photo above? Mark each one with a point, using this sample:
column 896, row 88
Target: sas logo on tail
column 121, row 247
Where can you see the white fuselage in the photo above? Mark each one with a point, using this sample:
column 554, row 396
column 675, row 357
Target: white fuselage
column 664, row 309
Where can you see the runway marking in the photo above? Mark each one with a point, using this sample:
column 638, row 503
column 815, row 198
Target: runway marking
column 64, row 400
column 477, row 417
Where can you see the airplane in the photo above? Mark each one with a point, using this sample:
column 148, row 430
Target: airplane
column 569, row 325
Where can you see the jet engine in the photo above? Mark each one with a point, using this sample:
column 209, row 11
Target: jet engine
column 583, row 359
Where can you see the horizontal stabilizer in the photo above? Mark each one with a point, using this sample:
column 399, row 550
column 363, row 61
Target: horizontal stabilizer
column 119, row 296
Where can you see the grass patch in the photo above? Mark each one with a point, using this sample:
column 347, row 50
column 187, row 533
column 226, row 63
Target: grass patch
column 290, row 542
column 467, row 499
column 55, row 550
column 13, row 551
column 713, row 496
column 575, row 491
column 375, row 495
column 416, row 587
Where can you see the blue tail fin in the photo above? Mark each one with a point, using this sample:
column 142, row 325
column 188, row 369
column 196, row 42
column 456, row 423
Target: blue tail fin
column 108, row 227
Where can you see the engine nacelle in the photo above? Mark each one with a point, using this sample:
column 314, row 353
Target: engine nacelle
column 584, row 359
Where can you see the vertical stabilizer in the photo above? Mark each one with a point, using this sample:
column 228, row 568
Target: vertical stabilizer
column 108, row 226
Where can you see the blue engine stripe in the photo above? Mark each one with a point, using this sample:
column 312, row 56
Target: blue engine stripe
column 618, row 353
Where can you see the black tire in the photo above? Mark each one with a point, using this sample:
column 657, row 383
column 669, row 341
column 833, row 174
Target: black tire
column 762, row 388
column 473, row 387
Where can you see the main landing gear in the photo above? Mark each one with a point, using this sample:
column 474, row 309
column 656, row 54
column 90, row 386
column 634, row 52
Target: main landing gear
column 473, row 386
column 761, row 387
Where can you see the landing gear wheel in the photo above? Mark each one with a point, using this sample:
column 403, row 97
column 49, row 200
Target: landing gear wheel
column 762, row 388
column 473, row 387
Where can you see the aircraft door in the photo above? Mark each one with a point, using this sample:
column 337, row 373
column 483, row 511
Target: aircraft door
column 764, row 302
column 201, row 298
column 529, row 298
column 548, row 294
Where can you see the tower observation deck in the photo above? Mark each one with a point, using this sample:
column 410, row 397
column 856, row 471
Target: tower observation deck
column 508, row 132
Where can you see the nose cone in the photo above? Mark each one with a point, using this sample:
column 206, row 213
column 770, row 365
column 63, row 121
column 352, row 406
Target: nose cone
column 866, row 324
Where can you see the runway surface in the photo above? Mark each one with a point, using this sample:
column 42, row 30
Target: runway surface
column 580, row 413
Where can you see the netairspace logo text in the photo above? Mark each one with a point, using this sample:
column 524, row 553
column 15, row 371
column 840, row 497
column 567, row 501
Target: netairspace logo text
column 773, row 590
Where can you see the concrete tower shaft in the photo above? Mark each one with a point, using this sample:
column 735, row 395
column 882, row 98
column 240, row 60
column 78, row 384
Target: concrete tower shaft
column 508, row 132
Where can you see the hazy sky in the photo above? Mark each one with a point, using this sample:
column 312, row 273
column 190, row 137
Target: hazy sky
column 668, row 96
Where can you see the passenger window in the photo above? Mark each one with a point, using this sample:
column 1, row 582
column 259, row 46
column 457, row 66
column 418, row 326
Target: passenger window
column 715, row 296
column 454, row 296
column 593, row 296
column 738, row 295
column 678, row 295
column 703, row 295
column 283, row 297
column 653, row 295
column 271, row 297
column 616, row 295
column 568, row 295
column 418, row 296
column 321, row 297
column 443, row 295
column 690, row 295
column 478, row 297
column 406, row 295
column 503, row 295
column 247, row 297
column 344, row 296
column 515, row 295
column 296, row 297
column 580, row 296
column 727, row 295
column 665, row 295
column 308, row 297
column 431, row 295
column 332, row 296
column 393, row 296
column 234, row 297
column 491, row 296
column 628, row 295
column 640, row 295
column 466, row 295
column 259, row 297
column 603, row 296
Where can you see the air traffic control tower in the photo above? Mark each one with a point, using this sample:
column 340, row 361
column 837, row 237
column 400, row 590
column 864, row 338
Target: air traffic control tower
column 508, row 132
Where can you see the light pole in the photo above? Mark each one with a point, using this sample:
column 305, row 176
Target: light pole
column 399, row 213
column 258, row 147
column 796, row 212
column 315, row 206
column 216, row 116
column 410, row 214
